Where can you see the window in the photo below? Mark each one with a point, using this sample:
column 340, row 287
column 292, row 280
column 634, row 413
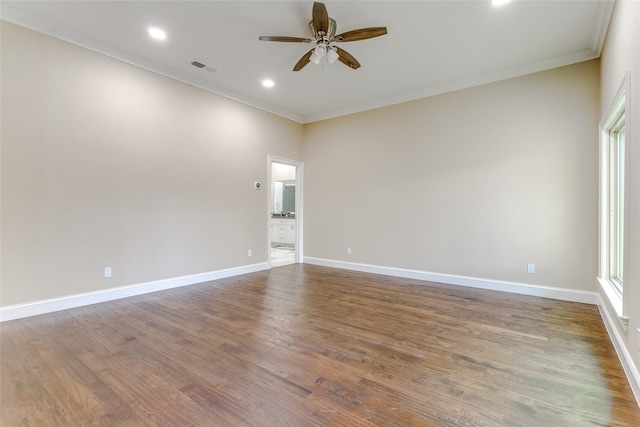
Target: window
column 614, row 144
column 616, row 205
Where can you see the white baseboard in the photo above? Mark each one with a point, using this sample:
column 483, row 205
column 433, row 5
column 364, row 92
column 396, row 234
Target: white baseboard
column 629, row 367
column 19, row 311
column 472, row 282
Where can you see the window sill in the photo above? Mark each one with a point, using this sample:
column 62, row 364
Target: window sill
column 615, row 301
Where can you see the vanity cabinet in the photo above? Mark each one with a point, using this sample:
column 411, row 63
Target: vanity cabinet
column 273, row 231
column 283, row 231
column 290, row 231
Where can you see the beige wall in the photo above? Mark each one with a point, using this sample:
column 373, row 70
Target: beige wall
column 622, row 53
column 478, row 182
column 105, row 164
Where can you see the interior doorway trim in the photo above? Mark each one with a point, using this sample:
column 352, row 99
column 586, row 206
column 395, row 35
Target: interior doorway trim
column 299, row 204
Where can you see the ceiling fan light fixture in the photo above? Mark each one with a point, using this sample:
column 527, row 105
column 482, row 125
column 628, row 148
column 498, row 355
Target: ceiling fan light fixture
column 321, row 50
column 332, row 56
column 314, row 58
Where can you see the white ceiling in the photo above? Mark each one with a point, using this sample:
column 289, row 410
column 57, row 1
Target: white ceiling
column 431, row 47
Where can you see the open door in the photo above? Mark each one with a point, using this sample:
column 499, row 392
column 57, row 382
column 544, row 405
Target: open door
column 284, row 211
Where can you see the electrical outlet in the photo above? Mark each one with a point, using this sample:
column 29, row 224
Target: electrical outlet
column 249, row 252
column 107, row 272
column 531, row 268
column 348, row 251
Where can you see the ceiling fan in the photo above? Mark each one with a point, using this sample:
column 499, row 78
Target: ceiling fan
column 323, row 30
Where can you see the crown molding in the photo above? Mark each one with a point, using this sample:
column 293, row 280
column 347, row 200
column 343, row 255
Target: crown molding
column 535, row 67
column 603, row 19
column 35, row 24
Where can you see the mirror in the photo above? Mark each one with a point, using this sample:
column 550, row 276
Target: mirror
column 283, row 187
column 284, row 197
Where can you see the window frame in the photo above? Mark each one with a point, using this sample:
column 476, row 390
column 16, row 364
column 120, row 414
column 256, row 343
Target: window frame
column 617, row 179
column 612, row 279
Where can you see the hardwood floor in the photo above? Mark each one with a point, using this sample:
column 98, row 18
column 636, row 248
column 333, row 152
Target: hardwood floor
column 304, row 345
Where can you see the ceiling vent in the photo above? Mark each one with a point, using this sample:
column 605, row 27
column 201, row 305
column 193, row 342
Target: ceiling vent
column 203, row 66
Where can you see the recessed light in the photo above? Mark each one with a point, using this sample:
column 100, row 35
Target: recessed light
column 499, row 2
column 157, row 33
column 268, row 83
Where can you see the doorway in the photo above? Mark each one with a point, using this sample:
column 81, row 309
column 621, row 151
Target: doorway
column 284, row 211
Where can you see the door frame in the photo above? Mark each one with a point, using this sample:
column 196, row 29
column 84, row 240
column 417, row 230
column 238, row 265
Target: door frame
column 299, row 204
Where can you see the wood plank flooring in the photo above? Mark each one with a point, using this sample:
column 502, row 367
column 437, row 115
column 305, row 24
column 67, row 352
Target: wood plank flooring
column 303, row 345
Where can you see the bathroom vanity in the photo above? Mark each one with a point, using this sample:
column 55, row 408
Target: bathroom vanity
column 283, row 231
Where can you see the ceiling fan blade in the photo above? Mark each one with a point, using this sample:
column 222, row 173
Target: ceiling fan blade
column 347, row 59
column 361, row 34
column 320, row 18
column 303, row 61
column 284, row 39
